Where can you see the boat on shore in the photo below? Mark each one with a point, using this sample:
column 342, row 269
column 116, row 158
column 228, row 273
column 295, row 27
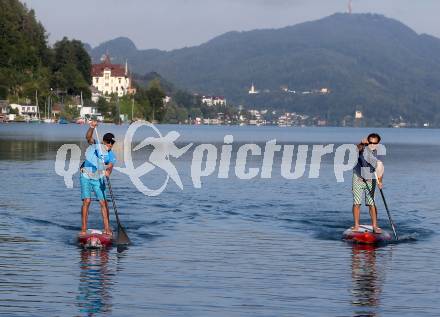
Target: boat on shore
column 33, row 120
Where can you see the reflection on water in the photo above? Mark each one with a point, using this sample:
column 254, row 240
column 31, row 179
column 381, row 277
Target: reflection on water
column 27, row 150
column 367, row 278
column 232, row 248
column 95, row 283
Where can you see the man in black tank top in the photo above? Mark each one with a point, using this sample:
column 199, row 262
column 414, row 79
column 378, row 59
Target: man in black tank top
column 364, row 179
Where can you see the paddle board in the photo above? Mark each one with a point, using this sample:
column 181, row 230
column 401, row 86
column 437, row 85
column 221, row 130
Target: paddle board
column 94, row 239
column 366, row 235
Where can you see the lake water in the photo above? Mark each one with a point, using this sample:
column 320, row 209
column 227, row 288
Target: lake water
column 234, row 247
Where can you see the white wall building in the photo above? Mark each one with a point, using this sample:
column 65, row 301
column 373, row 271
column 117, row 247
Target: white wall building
column 358, row 115
column 110, row 78
column 166, row 100
column 28, row 111
column 85, row 111
column 213, row 101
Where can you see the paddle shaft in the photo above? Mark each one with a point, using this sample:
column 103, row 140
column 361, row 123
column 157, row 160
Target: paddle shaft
column 389, row 214
column 121, row 229
column 388, row 211
column 113, row 200
column 385, row 204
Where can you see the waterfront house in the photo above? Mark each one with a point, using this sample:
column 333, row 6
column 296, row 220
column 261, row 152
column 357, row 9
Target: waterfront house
column 110, row 78
column 26, row 111
column 56, row 109
column 88, row 112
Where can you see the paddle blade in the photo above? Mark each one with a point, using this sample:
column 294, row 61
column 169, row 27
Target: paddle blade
column 122, row 237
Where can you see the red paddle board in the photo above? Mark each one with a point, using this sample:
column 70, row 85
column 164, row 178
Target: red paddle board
column 366, row 235
column 95, row 239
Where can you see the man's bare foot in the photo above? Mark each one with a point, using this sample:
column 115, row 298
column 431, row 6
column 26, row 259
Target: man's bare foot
column 355, row 228
column 377, row 230
column 83, row 232
column 108, row 232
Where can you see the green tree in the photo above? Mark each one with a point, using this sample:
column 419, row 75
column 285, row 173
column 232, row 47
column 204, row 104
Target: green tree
column 13, row 111
column 23, row 47
column 195, row 113
column 102, row 106
column 70, row 113
column 155, row 96
column 182, row 115
column 129, row 106
column 141, row 98
column 71, row 67
column 175, row 114
column 114, row 112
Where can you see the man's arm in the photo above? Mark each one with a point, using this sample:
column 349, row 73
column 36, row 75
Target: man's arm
column 109, row 169
column 380, row 182
column 89, row 134
column 379, row 172
column 362, row 145
column 110, row 164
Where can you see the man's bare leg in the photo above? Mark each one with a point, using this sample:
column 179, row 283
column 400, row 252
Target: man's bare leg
column 356, row 217
column 84, row 214
column 108, row 211
column 105, row 216
column 373, row 215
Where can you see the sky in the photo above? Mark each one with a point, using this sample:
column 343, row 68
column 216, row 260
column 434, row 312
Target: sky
column 171, row 24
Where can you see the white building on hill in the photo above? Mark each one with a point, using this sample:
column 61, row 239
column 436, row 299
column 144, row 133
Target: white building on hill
column 110, row 78
column 214, row 101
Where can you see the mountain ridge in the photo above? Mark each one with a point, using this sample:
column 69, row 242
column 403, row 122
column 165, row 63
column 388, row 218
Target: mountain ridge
column 369, row 62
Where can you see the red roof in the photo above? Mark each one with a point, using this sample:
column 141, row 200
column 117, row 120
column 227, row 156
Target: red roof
column 116, row 70
column 56, row 107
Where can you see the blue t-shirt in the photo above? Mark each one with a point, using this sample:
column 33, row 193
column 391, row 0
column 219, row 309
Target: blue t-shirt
column 95, row 156
column 367, row 161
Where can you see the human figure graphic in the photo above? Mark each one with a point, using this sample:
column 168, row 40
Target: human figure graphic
column 164, row 147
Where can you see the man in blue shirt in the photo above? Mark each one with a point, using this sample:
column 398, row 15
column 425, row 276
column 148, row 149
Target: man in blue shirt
column 98, row 164
column 364, row 180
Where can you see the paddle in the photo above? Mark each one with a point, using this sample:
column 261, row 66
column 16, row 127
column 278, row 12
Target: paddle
column 388, row 211
column 385, row 203
column 122, row 238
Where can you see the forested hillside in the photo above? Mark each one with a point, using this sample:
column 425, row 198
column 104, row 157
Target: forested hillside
column 368, row 62
column 28, row 64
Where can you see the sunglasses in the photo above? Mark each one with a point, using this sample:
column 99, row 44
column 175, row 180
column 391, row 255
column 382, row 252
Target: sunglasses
column 374, row 143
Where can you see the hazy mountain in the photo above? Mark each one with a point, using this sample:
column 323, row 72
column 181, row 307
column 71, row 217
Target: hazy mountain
column 369, row 63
